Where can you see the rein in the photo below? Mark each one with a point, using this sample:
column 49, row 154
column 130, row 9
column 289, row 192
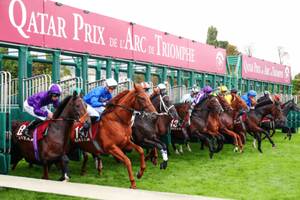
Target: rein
column 162, row 104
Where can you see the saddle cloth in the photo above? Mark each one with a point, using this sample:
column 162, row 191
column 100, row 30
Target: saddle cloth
column 41, row 128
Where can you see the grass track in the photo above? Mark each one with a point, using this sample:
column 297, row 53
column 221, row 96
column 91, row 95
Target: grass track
column 274, row 174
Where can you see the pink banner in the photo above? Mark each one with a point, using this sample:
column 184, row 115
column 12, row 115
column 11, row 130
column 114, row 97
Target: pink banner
column 46, row 24
column 254, row 68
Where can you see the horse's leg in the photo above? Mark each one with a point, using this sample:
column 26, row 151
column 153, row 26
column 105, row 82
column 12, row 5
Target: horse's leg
column 118, row 153
column 83, row 166
column 142, row 158
column 188, row 147
column 45, row 167
column 236, row 137
column 258, row 138
column 174, row 147
column 209, row 142
column 98, row 164
column 267, row 135
column 65, row 170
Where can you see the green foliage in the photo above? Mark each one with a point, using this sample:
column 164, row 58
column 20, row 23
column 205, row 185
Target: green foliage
column 232, row 50
column 249, row 175
column 212, row 34
column 296, row 85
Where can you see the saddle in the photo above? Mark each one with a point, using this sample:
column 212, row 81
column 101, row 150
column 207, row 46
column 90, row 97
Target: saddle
column 78, row 133
column 40, row 130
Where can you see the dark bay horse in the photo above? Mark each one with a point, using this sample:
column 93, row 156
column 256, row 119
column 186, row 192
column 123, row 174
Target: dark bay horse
column 114, row 129
column 205, row 123
column 180, row 133
column 148, row 129
column 54, row 146
column 255, row 116
column 272, row 125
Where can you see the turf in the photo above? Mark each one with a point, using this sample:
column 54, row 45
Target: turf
column 250, row 175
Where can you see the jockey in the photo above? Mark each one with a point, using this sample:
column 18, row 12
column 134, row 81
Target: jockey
column 249, row 98
column 36, row 105
column 160, row 89
column 146, row 87
column 230, row 97
column 223, row 90
column 97, row 98
column 202, row 95
column 189, row 98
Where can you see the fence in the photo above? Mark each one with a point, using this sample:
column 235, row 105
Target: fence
column 69, row 85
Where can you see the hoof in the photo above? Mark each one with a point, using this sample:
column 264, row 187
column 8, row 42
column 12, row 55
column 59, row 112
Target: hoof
column 236, row 149
column 139, row 175
column 133, row 187
column 211, row 154
column 164, row 165
column 177, row 152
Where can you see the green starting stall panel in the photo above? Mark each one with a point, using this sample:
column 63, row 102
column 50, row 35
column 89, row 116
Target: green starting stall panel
column 293, row 121
column 5, row 134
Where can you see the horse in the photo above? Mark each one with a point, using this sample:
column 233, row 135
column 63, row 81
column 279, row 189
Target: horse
column 147, row 129
column 205, row 123
column 227, row 119
column 180, row 133
column 113, row 131
column 272, row 125
column 239, row 106
column 255, row 116
column 53, row 147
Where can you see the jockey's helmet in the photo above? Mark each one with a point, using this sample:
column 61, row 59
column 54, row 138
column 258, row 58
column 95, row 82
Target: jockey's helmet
column 55, row 89
column 252, row 93
column 110, row 82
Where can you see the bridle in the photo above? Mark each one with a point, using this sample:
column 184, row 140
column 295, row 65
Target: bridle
column 163, row 105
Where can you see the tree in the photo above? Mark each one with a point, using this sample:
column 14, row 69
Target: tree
column 296, row 84
column 283, row 55
column 212, row 34
column 232, row 50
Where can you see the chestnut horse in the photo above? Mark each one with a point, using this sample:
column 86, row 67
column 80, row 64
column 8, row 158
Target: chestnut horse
column 227, row 119
column 54, row 146
column 114, row 129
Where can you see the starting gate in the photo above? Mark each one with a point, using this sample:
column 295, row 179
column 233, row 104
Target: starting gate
column 69, row 85
column 5, row 134
column 177, row 92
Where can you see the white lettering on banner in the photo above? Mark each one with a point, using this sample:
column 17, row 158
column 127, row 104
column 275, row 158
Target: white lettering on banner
column 135, row 43
column 33, row 25
column 92, row 33
column 12, row 17
column 171, row 50
column 264, row 70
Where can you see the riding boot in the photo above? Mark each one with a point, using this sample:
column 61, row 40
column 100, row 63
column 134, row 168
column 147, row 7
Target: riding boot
column 32, row 124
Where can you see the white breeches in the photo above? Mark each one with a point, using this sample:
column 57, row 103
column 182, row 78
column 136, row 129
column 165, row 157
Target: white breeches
column 30, row 110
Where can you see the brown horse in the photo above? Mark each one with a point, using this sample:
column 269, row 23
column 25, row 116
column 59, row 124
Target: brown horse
column 205, row 123
column 114, row 129
column 54, row 146
column 180, row 129
column 227, row 119
column 148, row 129
column 254, row 118
column 239, row 106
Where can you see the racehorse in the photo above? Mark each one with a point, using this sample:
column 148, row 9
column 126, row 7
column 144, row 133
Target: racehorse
column 53, row 146
column 147, row 129
column 228, row 121
column 113, row 132
column 272, row 125
column 180, row 129
column 205, row 123
column 239, row 106
column 255, row 116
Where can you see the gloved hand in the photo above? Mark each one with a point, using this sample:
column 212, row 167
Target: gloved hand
column 104, row 103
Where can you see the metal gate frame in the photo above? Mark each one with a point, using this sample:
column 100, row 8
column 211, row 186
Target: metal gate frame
column 5, row 121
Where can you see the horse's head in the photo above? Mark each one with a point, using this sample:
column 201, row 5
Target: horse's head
column 141, row 100
column 225, row 105
column 182, row 109
column 72, row 107
column 214, row 105
column 290, row 105
column 237, row 103
column 277, row 113
column 163, row 104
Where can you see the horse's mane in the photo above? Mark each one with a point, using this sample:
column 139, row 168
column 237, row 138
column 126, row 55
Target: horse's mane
column 114, row 101
column 268, row 101
column 61, row 107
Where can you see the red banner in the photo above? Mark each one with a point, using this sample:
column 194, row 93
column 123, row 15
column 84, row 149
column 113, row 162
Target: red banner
column 254, row 68
column 46, row 24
